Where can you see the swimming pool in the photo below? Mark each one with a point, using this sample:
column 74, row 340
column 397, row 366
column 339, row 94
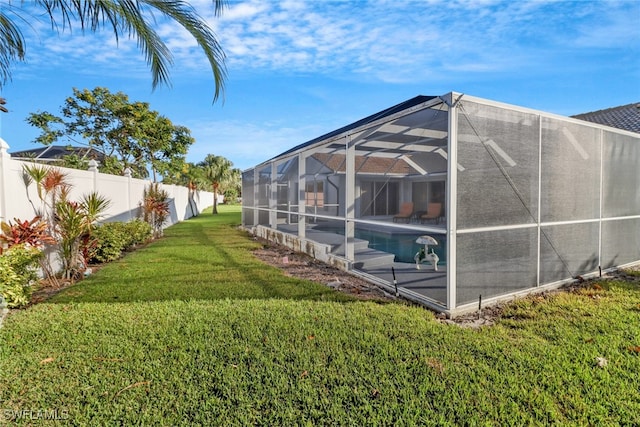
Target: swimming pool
column 402, row 244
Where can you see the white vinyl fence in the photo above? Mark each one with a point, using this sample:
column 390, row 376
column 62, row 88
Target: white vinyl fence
column 19, row 201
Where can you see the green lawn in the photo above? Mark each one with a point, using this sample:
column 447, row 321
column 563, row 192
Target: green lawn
column 193, row 329
column 204, row 258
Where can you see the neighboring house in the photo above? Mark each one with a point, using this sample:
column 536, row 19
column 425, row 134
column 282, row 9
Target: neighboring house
column 52, row 153
column 522, row 200
column 626, row 117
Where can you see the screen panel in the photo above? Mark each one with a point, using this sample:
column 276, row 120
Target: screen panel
column 621, row 175
column 620, row 242
column 497, row 166
column 248, row 198
column 324, row 190
column 395, row 160
column 264, row 194
column 495, row 263
column 568, row 250
column 570, row 179
column 248, row 188
column 287, row 195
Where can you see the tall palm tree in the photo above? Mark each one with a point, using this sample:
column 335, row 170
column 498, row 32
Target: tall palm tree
column 131, row 17
column 217, row 170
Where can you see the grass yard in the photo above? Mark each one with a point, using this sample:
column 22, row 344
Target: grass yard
column 193, row 330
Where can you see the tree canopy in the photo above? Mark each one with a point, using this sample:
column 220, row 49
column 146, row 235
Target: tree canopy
column 124, row 17
column 128, row 133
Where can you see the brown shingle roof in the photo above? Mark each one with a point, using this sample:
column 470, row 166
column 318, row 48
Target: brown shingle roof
column 371, row 165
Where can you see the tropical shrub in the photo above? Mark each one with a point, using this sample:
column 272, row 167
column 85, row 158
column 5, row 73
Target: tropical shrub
column 155, row 207
column 18, row 274
column 112, row 238
column 33, row 233
column 230, row 196
column 69, row 222
column 75, row 222
column 139, row 232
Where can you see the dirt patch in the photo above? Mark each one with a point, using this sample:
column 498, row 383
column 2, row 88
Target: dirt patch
column 48, row 288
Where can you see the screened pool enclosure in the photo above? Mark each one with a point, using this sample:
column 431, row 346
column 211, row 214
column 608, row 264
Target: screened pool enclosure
column 456, row 199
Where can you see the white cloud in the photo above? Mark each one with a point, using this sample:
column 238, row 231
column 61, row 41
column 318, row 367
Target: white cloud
column 402, row 38
column 389, row 41
column 243, row 11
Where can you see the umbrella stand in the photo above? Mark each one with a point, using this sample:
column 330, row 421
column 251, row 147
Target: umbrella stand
column 424, row 254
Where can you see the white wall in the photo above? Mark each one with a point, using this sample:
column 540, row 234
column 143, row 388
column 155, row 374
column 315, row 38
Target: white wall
column 125, row 193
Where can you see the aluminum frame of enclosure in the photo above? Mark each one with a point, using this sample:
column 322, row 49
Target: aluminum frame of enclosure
column 528, row 200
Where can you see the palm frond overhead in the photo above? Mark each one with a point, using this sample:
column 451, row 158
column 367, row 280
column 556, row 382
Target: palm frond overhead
column 12, row 46
column 133, row 18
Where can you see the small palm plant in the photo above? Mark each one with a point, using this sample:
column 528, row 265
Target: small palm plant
column 51, row 184
column 75, row 222
column 155, row 207
column 69, row 222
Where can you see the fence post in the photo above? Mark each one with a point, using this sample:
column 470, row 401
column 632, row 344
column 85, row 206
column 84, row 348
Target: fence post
column 5, row 159
column 127, row 174
column 93, row 167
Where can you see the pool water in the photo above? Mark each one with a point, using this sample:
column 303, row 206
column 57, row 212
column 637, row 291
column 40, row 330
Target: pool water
column 402, row 245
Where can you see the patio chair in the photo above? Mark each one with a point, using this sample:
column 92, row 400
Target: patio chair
column 434, row 211
column 406, row 211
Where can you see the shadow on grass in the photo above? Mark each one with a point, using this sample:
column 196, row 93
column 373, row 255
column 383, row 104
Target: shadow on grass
column 200, row 259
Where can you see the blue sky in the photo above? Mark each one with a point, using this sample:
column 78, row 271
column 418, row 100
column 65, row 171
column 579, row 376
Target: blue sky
column 299, row 69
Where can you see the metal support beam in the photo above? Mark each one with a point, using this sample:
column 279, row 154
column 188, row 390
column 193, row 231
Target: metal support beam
column 273, row 197
column 349, row 194
column 302, row 198
column 452, row 205
column 256, row 193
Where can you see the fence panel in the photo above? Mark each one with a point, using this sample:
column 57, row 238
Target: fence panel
column 21, row 201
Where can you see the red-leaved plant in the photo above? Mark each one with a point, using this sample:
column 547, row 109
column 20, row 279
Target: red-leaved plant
column 32, row 233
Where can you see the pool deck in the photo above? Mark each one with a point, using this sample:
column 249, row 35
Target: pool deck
column 424, row 282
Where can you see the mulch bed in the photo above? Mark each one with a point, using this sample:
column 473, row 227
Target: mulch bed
column 303, row 266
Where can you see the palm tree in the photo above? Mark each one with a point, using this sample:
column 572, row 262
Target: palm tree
column 133, row 18
column 217, row 170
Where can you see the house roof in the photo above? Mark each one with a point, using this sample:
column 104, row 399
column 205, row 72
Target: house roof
column 626, row 117
column 56, row 152
column 380, row 114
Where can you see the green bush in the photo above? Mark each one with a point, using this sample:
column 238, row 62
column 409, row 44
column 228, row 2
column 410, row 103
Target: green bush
column 139, row 231
column 230, row 196
column 18, row 274
column 112, row 238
